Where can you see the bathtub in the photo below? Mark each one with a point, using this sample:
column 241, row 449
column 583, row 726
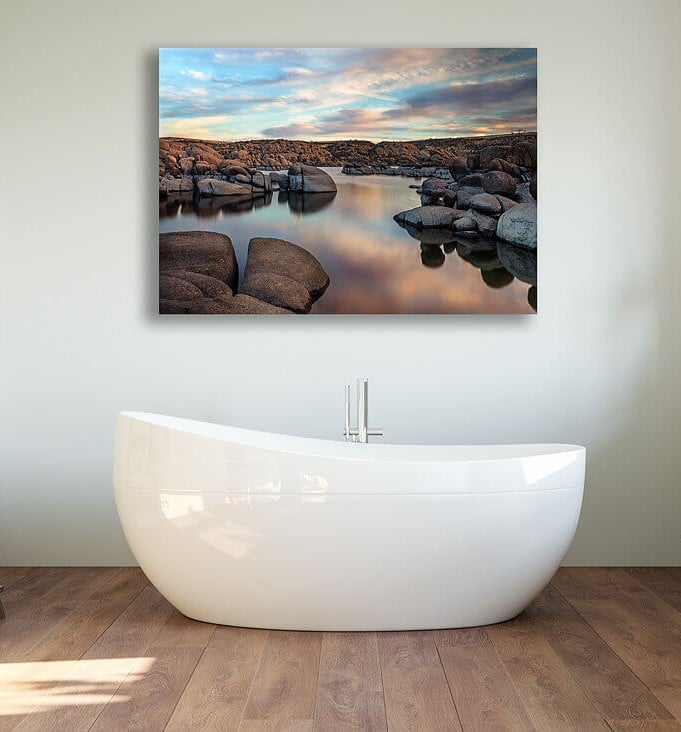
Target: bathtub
column 254, row 529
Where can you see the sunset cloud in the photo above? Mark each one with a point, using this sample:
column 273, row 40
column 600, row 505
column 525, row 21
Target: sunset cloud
column 325, row 94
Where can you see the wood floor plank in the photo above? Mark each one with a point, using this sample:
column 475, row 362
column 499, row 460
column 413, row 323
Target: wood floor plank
column 660, row 582
column 100, row 648
column 215, row 696
column 36, row 582
column 482, row 690
column 350, row 690
column 580, row 580
column 649, row 725
column 10, row 575
column 183, row 632
column 71, row 637
column 644, row 630
column 460, row 637
column 612, row 687
column 408, row 649
column 415, row 688
column 29, row 625
column 23, row 596
column 649, row 657
column 135, row 629
column 146, row 698
column 76, row 698
column 284, row 689
column 643, row 604
column 545, row 686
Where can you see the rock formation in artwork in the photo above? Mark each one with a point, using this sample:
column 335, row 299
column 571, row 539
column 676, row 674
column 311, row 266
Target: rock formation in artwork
column 198, row 273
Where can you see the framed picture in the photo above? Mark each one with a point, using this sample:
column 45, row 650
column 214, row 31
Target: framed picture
column 347, row 180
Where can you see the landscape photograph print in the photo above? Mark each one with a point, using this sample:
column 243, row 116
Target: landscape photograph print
column 347, row 181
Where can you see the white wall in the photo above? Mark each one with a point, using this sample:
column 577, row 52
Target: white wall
column 600, row 365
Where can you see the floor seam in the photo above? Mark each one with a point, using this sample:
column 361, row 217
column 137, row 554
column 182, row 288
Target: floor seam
column 186, row 684
column 449, row 688
column 255, row 673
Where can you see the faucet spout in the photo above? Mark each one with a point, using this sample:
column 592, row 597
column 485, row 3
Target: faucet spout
column 362, row 432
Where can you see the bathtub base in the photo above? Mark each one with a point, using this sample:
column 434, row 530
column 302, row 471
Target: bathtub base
column 353, row 563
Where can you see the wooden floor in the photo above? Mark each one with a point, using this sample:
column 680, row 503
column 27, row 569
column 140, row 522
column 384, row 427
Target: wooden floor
column 100, row 649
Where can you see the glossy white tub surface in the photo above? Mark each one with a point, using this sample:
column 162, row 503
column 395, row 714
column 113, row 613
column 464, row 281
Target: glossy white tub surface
column 249, row 528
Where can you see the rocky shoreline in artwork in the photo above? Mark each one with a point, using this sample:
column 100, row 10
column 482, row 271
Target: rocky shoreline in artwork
column 488, row 215
column 205, row 166
column 199, row 273
column 494, row 231
column 478, row 198
column 490, row 204
column 280, row 154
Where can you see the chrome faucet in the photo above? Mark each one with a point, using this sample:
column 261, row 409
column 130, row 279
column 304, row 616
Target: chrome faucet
column 362, row 432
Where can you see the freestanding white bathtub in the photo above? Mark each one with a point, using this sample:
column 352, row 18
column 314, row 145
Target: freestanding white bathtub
column 262, row 530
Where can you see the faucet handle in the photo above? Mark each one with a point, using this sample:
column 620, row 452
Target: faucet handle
column 374, row 431
column 350, row 433
column 346, row 430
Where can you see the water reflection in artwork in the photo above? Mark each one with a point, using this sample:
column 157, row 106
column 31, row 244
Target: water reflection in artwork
column 374, row 265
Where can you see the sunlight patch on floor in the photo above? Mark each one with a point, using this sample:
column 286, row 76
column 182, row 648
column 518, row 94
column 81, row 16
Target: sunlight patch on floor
column 44, row 685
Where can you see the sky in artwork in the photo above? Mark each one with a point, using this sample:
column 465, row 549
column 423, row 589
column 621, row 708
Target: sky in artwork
column 345, row 93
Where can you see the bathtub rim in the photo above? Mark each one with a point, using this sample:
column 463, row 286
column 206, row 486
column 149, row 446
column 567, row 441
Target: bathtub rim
column 319, row 447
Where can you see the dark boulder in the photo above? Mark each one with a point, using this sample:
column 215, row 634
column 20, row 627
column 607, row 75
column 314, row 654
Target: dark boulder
column 309, row 179
column 202, row 252
column 463, row 199
column 473, row 161
column 523, row 195
column 425, row 217
column 518, row 225
column 487, row 225
column 177, row 288
column 465, row 223
column 519, row 261
column 431, row 255
column 524, row 153
column 480, row 253
column 505, row 167
column 433, row 187
column 307, row 203
column 238, row 305
column 486, row 203
column 506, row 203
column 283, row 274
column 280, row 180
column 532, row 297
column 449, row 197
column 492, row 152
column 496, row 181
column 458, row 166
column 496, row 278
column 436, row 237
column 184, row 285
column 215, row 187
column 473, row 180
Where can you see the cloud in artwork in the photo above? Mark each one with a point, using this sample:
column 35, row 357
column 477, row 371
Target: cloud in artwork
column 375, row 94
column 191, row 73
column 474, row 97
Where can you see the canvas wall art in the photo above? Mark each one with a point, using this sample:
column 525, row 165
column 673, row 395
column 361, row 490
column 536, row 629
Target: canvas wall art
column 347, row 180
